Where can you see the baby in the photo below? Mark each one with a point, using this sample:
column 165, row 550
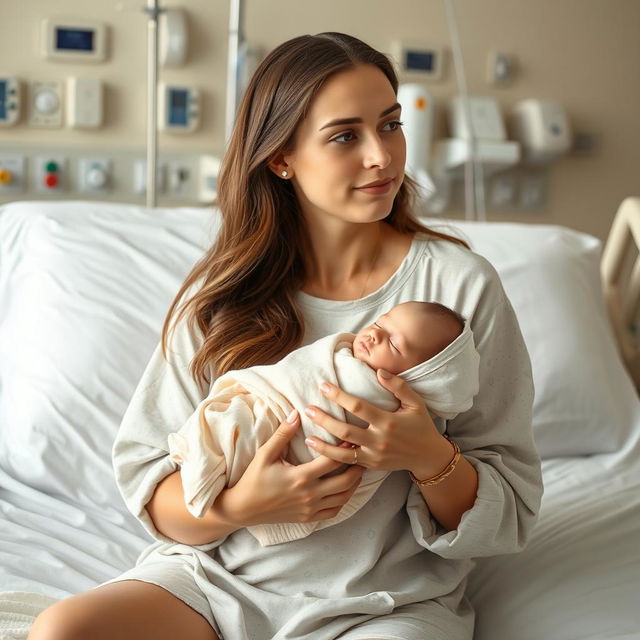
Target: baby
column 427, row 344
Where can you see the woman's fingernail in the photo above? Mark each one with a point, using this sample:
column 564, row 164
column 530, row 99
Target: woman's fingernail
column 384, row 374
column 291, row 418
column 310, row 443
column 310, row 412
column 325, row 387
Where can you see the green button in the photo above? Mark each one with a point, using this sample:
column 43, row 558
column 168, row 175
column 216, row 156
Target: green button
column 51, row 167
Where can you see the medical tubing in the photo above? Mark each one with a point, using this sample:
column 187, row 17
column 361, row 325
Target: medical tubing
column 469, row 167
column 235, row 40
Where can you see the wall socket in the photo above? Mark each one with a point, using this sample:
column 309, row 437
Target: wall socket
column 517, row 190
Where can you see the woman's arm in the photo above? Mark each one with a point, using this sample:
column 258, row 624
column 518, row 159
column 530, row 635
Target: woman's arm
column 172, row 519
column 448, row 499
column 404, row 439
column 270, row 490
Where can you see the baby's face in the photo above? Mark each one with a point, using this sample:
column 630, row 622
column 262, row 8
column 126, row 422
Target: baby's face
column 395, row 341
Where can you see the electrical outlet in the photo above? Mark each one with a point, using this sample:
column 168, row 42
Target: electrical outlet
column 533, row 187
column 503, row 191
column 140, row 177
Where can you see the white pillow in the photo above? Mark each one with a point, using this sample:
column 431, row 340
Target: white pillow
column 584, row 398
column 85, row 288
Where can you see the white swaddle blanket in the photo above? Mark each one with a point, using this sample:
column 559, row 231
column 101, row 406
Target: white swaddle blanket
column 245, row 407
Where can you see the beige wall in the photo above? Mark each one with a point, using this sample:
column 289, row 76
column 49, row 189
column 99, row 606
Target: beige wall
column 582, row 53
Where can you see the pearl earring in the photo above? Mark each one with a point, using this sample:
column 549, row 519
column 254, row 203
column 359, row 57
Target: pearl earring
column 284, row 174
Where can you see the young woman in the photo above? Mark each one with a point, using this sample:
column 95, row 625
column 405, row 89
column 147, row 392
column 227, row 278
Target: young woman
column 309, row 246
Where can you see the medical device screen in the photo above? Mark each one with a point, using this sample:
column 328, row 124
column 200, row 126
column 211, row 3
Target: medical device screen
column 420, row 61
column 74, row 39
column 178, row 107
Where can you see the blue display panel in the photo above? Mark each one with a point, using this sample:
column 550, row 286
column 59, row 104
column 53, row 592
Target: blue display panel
column 68, row 39
column 3, row 99
column 420, row 61
column 178, row 102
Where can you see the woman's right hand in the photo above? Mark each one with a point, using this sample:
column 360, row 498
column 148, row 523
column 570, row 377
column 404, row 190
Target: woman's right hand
column 274, row 490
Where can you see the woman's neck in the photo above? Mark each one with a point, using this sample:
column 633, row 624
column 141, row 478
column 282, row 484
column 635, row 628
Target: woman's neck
column 354, row 261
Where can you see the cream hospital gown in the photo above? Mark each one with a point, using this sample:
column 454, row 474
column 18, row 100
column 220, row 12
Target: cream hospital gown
column 390, row 571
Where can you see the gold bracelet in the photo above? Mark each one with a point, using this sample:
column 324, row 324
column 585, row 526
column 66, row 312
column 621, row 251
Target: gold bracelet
column 447, row 471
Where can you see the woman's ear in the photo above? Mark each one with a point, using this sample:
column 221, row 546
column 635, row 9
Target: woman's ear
column 278, row 164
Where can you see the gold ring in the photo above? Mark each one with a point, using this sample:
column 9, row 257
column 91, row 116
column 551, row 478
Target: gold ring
column 355, row 455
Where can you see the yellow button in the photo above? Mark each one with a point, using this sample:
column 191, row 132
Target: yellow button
column 5, row 176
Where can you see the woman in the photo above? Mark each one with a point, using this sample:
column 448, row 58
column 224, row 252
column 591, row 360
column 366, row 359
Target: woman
column 307, row 248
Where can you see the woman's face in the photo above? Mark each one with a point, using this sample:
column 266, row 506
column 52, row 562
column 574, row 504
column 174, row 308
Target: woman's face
column 331, row 161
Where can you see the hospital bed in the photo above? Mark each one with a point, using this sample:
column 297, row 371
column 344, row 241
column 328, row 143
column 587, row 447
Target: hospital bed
column 84, row 287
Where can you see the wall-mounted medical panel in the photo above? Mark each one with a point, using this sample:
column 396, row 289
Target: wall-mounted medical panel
column 74, row 40
column 10, row 101
column 110, row 174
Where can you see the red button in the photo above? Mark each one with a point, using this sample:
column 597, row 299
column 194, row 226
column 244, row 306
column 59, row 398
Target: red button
column 51, row 180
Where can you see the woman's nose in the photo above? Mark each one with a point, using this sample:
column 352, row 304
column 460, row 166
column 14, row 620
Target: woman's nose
column 376, row 153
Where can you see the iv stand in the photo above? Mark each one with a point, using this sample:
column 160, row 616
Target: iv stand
column 153, row 11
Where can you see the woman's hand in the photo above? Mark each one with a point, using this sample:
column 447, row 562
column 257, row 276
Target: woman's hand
column 274, row 490
column 404, row 439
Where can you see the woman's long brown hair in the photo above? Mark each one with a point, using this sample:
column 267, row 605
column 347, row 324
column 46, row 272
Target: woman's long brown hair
column 246, row 283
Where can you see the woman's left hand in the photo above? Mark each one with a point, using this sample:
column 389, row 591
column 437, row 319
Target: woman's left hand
column 393, row 440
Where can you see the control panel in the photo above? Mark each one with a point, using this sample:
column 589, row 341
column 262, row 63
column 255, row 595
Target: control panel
column 108, row 174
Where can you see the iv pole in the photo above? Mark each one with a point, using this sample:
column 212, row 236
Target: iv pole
column 153, row 11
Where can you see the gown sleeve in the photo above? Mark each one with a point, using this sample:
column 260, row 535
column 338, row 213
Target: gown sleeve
column 495, row 435
column 165, row 397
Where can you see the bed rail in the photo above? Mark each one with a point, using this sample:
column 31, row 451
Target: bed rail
column 621, row 284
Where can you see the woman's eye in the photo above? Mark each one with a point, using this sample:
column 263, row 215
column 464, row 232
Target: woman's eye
column 342, row 135
column 397, row 124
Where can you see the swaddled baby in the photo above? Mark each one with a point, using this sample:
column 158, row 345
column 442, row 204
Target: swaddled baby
column 425, row 343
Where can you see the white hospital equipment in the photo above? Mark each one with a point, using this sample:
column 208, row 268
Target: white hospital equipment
column 543, row 130
column 173, row 38
column 417, row 116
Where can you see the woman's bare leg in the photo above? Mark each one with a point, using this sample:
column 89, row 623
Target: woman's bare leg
column 126, row 610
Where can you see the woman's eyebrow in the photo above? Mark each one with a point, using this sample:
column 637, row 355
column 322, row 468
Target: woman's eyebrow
column 334, row 123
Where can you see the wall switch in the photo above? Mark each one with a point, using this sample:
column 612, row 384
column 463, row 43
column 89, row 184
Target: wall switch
column 84, row 102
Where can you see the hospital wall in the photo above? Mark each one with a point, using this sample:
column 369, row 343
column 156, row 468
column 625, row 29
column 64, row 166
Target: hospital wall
column 583, row 54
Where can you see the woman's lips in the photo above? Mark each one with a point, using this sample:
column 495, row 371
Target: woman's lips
column 379, row 190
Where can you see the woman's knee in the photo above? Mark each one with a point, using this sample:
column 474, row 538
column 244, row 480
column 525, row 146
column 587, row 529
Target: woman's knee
column 126, row 610
column 65, row 619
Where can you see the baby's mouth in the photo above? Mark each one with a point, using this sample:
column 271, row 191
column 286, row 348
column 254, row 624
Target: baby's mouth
column 364, row 347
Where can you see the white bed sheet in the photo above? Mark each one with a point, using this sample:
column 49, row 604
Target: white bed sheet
column 578, row 578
